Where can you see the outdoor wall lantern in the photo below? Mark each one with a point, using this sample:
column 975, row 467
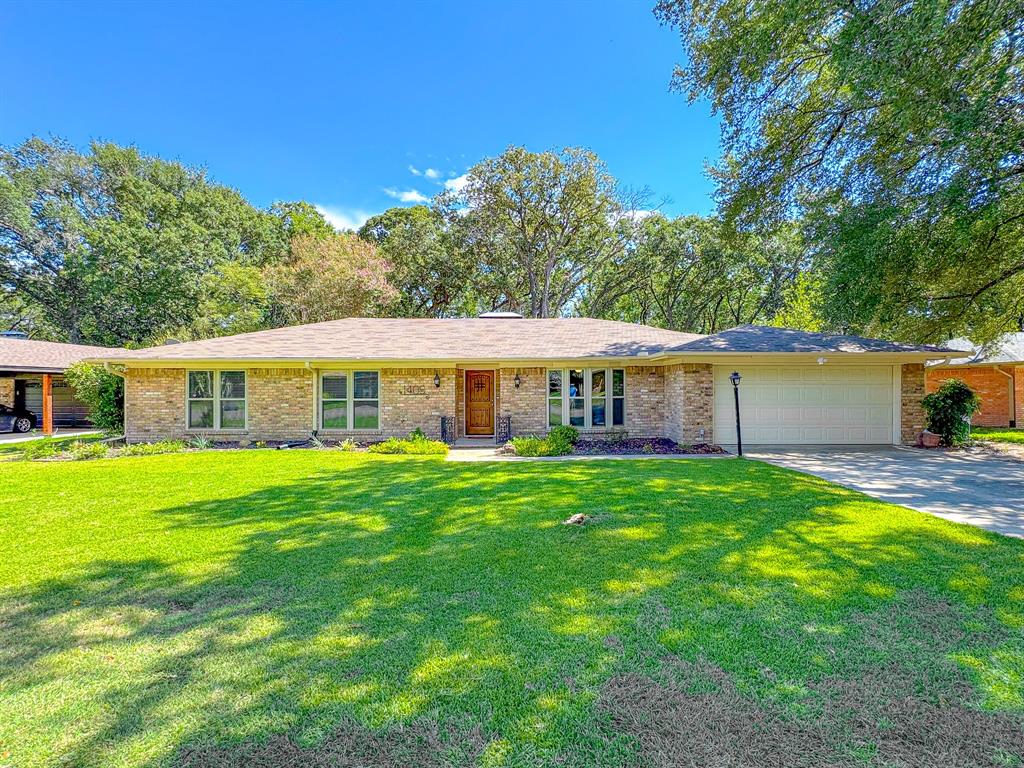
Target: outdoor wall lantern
column 735, row 377
column 437, row 380
column 517, row 381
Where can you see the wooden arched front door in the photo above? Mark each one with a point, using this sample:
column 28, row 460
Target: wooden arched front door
column 479, row 402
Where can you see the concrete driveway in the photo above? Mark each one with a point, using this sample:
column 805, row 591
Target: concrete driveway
column 967, row 488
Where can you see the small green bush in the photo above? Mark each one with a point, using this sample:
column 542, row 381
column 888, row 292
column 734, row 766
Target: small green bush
column 103, row 393
column 151, row 449
column 40, row 449
column 348, row 444
column 200, row 443
column 80, row 451
column 416, row 443
column 530, row 445
column 949, row 411
column 561, row 440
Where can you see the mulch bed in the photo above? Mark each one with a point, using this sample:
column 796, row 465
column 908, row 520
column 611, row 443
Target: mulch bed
column 635, row 445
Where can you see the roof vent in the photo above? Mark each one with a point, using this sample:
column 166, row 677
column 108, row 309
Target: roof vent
column 501, row 316
column 13, row 334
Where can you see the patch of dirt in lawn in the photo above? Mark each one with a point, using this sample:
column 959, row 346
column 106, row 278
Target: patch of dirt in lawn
column 916, row 708
column 424, row 744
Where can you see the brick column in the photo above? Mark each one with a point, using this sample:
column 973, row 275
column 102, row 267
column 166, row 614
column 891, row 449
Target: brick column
column 911, row 393
column 690, row 403
column 1018, row 391
column 7, row 392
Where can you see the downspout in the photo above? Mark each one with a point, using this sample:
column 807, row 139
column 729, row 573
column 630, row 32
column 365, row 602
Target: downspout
column 1013, row 395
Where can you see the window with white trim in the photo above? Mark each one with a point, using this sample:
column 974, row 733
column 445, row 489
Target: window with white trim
column 587, row 398
column 350, row 400
column 216, row 400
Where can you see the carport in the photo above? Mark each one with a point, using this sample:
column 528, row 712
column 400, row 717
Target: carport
column 32, row 378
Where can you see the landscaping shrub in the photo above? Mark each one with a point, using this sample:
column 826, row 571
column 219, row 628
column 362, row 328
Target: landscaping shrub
column 200, row 443
column 151, row 449
column 348, row 444
column 559, row 442
column 40, row 449
column 562, row 439
column 415, row 443
column 949, row 411
column 102, row 392
column 81, row 451
column 530, row 445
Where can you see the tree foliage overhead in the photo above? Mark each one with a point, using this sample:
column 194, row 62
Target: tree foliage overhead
column 431, row 278
column 691, row 274
column 329, row 278
column 540, row 225
column 895, row 128
column 114, row 246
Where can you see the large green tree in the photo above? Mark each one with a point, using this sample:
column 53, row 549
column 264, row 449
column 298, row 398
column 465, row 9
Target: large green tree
column 693, row 274
column 540, row 225
column 116, row 247
column 432, row 278
column 894, row 128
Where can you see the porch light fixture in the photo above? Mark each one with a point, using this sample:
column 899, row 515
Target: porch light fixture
column 517, row 381
column 437, row 380
column 735, row 377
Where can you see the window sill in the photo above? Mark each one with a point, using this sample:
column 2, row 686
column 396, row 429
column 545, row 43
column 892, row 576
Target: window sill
column 209, row 431
column 335, row 431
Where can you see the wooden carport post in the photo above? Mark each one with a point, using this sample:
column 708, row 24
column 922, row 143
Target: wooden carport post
column 47, row 403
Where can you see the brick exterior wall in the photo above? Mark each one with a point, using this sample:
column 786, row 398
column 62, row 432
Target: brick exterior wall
column 528, row 405
column 7, row 392
column 280, row 403
column 154, row 404
column 993, row 387
column 912, row 391
column 689, row 403
column 409, row 400
column 1018, row 391
column 645, row 401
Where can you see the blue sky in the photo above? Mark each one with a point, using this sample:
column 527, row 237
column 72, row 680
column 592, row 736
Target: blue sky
column 358, row 106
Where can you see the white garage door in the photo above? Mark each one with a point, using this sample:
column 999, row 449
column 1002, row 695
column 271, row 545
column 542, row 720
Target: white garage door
column 806, row 404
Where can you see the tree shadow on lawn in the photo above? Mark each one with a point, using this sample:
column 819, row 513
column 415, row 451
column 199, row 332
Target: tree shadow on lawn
column 418, row 611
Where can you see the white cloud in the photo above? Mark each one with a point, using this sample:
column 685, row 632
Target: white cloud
column 432, row 173
column 344, row 218
column 415, row 171
column 406, row 195
column 458, row 183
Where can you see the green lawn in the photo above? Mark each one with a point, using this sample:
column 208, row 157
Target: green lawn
column 998, row 434
column 12, row 449
column 289, row 607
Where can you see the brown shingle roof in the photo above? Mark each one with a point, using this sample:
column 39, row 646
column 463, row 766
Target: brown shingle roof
column 46, row 356
column 745, row 339
column 427, row 339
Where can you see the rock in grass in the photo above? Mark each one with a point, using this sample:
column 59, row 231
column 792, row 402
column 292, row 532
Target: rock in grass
column 578, row 519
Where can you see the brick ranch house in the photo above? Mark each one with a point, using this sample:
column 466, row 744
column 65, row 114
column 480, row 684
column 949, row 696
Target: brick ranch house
column 500, row 375
column 995, row 373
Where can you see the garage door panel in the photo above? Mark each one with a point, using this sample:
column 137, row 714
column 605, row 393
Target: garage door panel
column 807, row 404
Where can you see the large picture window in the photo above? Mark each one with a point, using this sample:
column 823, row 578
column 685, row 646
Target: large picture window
column 216, row 400
column 587, row 398
column 350, row 400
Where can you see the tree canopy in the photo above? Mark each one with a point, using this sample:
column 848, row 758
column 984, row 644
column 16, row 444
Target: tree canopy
column 894, row 130
column 114, row 246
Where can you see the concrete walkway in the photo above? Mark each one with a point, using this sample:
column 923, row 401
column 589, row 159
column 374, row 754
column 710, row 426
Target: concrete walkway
column 983, row 490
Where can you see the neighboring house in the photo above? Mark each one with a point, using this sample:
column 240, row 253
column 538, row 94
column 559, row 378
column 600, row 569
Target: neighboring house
column 32, row 378
column 995, row 373
column 500, row 375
